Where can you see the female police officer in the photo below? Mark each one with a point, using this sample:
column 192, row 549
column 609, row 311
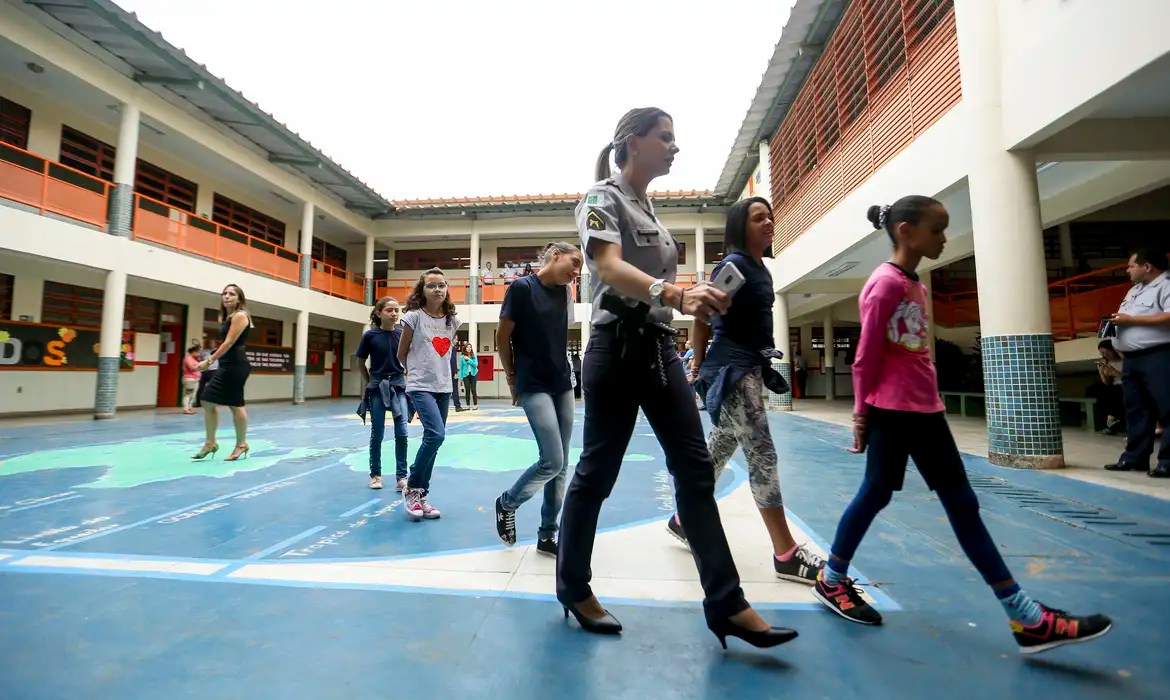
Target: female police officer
column 630, row 363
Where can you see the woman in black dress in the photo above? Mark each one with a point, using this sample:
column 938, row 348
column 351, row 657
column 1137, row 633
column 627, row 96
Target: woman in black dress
column 227, row 386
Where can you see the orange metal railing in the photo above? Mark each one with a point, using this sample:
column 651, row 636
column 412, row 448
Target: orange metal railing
column 337, row 282
column 164, row 225
column 51, row 187
column 1076, row 304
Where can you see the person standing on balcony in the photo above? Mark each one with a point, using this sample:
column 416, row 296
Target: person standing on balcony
column 732, row 376
column 1143, row 338
column 898, row 415
column 485, row 274
column 631, row 363
column 385, row 388
column 533, row 340
column 227, row 386
column 428, row 340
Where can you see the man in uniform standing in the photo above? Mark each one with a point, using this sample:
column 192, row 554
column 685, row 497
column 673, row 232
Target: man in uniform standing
column 1143, row 338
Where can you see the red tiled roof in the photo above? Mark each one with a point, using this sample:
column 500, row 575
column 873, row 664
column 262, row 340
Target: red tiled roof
column 519, row 199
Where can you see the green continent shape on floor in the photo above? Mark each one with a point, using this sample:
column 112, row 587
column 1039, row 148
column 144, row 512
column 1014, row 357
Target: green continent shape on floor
column 147, row 460
column 477, row 451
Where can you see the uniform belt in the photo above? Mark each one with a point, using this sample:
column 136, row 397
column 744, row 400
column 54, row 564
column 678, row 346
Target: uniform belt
column 635, row 332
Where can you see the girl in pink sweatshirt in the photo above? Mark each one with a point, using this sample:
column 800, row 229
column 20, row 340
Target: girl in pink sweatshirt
column 898, row 415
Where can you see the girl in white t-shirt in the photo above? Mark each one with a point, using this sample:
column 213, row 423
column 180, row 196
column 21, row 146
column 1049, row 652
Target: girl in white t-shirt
column 428, row 339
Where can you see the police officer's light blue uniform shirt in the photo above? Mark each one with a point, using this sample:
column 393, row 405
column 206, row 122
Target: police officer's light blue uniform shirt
column 1145, row 300
column 612, row 213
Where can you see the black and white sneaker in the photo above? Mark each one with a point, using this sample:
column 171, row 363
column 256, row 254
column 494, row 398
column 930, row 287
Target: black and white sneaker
column 505, row 522
column 547, row 547
column 803, row 567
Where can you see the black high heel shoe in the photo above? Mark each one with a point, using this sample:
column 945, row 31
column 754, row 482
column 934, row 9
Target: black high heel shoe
column 606, row 625
column 771, row 637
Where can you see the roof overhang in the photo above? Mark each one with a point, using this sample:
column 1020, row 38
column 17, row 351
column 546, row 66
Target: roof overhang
column 809, row 26
column 116, row 37
column 534, row 205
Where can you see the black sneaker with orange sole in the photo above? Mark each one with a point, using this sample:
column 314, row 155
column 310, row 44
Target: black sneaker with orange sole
column 845, row 599
column 1057, row 628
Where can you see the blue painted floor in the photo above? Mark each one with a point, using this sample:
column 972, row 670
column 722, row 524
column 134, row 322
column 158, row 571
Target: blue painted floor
column 92, row 493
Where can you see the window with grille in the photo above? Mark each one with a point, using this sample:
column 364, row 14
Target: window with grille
column 448, row 259
column 712, row 252
column 265, row 331
column 83, row 152
column 6, row 284
column 323, row 339
column 74, row 305
column 241, row 217
column 329, row 254
column 141, row 315
column 14, row 123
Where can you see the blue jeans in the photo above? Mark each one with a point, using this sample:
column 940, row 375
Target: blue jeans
column 432, row 413
column 378, row 411
column 551, row 418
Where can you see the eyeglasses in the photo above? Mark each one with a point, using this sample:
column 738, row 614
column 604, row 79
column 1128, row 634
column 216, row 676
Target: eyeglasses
column 433, row 286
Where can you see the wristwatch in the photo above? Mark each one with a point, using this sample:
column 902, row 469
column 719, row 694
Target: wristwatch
column 657, row 289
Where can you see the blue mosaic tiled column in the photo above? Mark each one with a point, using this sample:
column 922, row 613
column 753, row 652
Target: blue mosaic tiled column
column 780, row 402
column 299, row 384
column 473, row 288
column 105, row 401
column 306, row 262
column 1023, row 416
column 370, row 292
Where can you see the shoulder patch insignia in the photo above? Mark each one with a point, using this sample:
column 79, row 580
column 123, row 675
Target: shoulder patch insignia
column 594, row 222
column 593, row 200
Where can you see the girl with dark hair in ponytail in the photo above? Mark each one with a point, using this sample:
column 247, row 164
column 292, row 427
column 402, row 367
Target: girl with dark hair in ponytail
column 630, row 363
column 385, row 390
column 898, row 415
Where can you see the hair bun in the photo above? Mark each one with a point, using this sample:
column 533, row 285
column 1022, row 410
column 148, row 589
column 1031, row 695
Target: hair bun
column 874, row 214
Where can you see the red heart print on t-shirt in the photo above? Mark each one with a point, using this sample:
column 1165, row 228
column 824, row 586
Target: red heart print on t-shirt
column 442, row 345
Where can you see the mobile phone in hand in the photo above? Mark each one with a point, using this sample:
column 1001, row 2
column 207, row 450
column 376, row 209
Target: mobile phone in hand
column 729, row 279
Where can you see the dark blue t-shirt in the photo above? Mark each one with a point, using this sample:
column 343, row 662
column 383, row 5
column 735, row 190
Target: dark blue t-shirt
column 749, row 320
column 381, row 347
column 541, row 337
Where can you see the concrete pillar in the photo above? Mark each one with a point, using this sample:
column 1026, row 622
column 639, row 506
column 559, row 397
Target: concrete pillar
column 300, row 356
column 369, row 273
column 765, row 188
column 1023, row 420
column 306, row 242
column 780, row 339
column 125, row 162
column 700, row 248
column 473, row 290
column 110, row 351
column 830, row 357
column 1067, row 261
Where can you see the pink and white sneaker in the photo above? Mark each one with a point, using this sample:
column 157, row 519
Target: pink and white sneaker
column 428, row 511
column 413, row 504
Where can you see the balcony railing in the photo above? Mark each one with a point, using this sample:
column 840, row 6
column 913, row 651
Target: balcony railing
column 52, row 188
column 337, row 282
column 162, row 224
column 1076, row 304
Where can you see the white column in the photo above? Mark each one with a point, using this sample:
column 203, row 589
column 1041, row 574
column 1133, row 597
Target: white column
column 306, row 242
column 1022, row 410
column 1066, row 249
column 300, row 356
column 473, row 290
column 125, row 161
column 700, row 251
column 110, row 344
column 765, row 188
column 473, row 335
column 780, row 340
column 830, row 356
column 369, row 274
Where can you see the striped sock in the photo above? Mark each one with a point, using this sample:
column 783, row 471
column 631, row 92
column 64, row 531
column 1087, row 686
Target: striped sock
column 1020, row 606
column 834, row 572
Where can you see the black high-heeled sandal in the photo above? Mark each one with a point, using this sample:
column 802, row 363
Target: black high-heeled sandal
column 606, row 625
column 771, row 637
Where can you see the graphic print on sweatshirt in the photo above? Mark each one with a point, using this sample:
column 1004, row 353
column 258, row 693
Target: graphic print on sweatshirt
column 428, row 365
column 908, row 324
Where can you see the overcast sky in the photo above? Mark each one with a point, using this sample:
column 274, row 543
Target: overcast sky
column 471, row 98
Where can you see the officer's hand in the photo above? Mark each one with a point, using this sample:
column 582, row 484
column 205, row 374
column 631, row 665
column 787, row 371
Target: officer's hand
column 1122, row 319
column 704, row 302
